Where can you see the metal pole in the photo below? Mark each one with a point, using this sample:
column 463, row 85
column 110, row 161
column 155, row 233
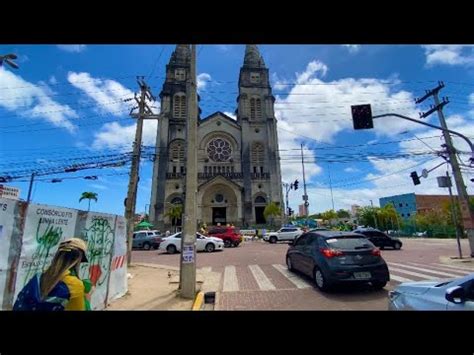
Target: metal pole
column 375, row 217
column 28, row 199
column 188, row 239
column 134, row 170
column 305, row 197
column 454, row 215
column 330, row 187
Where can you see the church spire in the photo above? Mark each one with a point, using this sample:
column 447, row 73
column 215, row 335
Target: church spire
column 181, row 55
column 252, row 58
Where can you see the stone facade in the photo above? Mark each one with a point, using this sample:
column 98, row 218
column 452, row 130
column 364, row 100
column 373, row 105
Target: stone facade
column 238, row 160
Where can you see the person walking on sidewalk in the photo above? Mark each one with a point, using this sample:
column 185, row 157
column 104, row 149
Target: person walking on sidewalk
column 59, row 287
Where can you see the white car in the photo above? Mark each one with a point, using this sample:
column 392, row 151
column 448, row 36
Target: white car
column 172, row 244
column 284, row 234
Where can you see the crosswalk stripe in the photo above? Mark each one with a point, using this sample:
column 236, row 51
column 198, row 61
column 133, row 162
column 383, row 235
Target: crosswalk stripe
column 230, row 279
column 457, row 267
column 399, row 278
column 295, row 280
column 262, row 280
column 425, row 270
column 412, row 273
column 461, row 273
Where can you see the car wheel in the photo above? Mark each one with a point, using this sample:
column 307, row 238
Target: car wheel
column 382, row 248
column 289, row 264
column 378, row 285
column 146, row 246
column 171, row 249
column 397, row 246
column 273, row 240
column 210, row 247
column 320, row 280
column 227, row 243
column 236, row 244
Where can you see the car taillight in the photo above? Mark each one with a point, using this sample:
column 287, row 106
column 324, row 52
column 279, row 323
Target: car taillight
column 330, row 253
column 376, row 252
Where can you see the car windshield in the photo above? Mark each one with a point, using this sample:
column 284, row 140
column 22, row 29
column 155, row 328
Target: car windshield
column 351, row 242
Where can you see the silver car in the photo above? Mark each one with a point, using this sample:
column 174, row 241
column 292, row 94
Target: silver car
column 454, row 294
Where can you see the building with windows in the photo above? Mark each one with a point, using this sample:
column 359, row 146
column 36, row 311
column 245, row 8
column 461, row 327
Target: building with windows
column 238, row 159
column 408, row 204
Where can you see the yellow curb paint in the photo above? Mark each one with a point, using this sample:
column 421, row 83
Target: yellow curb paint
column 198, row 301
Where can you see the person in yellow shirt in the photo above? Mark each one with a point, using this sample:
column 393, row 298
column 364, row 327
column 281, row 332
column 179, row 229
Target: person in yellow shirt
column 59, row 287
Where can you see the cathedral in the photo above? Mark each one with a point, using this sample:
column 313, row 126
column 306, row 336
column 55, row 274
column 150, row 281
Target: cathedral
column 238, row 159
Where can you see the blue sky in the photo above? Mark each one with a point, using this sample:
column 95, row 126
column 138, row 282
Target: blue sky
column 66, row 102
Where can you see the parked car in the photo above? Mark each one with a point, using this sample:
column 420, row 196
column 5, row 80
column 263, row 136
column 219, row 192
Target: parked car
column 380, row 239
column 172, row 244
column 454, row 294
column 318, row 229
column 284, row 234
column 230, row 235
column 331, row 258
column 146, row 240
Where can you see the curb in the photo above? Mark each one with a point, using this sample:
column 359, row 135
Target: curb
column 198, row 301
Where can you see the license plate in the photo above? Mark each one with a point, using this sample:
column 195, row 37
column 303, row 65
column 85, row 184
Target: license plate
column 362, row 275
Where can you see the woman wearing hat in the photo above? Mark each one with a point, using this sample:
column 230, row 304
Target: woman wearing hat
column 59, row 287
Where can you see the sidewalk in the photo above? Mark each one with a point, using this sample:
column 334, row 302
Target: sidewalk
column 155, row 287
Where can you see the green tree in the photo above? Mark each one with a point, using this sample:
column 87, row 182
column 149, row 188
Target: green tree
column 329, row 215
column 367, row 216
column 174, row 212
column 271, row 211
column 88, row 196
column 343, row 214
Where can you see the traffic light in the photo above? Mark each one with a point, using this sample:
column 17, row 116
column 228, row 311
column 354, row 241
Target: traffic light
column 415, row 177
column 290, row 212
column 362, row 117
column 295, row 184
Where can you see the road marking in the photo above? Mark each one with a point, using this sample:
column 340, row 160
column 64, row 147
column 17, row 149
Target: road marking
column 412, row 273
column 295, row 280
column 457, row 267
column 462, row 273
column 262, row 280
column 399, row 278
column 230, row 279
column 425, row 270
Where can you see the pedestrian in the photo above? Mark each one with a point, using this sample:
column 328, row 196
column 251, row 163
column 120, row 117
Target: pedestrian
column 167, row 234
column 59, row 287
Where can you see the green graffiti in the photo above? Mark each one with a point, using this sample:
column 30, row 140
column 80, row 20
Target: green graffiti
column 99, row 237
column 46, row 240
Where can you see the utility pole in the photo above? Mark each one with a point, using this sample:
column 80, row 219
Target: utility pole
column 32, row 179
column 454, row 215
column 187, row 276
column 305, row 196
column 463, row 197
column 330, row 187
column 144, row 112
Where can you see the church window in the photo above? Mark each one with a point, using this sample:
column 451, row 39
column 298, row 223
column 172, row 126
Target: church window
column 179, row 106
column 180, row 74
column 219, row 150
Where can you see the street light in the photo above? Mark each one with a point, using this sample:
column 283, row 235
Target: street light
column 8, row 58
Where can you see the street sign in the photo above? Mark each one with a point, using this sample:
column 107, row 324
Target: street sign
column 444, row 181
column 9, row 192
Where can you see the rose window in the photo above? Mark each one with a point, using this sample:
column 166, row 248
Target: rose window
column 219, row 150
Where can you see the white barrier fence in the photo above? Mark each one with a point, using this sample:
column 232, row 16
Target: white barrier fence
column 29, row 238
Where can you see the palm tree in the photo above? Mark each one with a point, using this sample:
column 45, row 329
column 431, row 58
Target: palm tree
column 271, row 210
column 88, row 196
column 174, row 212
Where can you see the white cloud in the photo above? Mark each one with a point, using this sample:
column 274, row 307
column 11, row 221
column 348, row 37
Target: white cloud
column 108, row 94
column 99, row 187
column 224, row 47
column 113, row 135
column 32, row 101
column 202, row 81
column 52, row 80
column 352, row 48
column 72, row 48
column 231, row 115
column 351, row 170
column 449, row 55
